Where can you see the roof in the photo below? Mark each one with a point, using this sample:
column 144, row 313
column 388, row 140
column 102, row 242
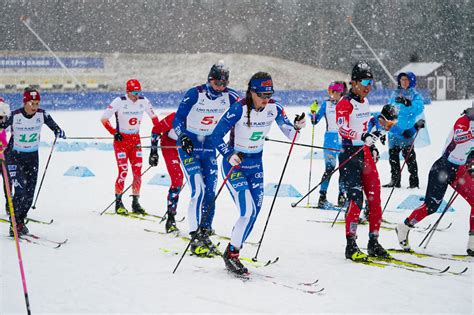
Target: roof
column 420, row 68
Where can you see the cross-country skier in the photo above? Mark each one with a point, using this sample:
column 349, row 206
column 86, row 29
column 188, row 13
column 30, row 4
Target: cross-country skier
column 197, row 116
column 164, row 130
column 360, row 172
column 454, row 168
column 249, row 121
column 128, row 111
column 331, row 139
column 400, row 138
column 22, row 152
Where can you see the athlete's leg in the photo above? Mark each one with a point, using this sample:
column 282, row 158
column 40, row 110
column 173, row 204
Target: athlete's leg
column 371, row 184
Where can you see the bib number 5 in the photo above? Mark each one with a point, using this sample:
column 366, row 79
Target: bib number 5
column 207, row 120
column 256, row 135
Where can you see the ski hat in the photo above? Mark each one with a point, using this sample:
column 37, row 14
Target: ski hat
column 31, row 95
column 218, row 72
column 4, row 108
column 361, row 71
column 133, row 85
column 470, row 111
column 262, row 85
column 338, row 86
column 389, row 113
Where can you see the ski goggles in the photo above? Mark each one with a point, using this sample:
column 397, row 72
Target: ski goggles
column 367, row 82
column 264, row 95
column 221, row 83
column 387, row 124
column 136, row 93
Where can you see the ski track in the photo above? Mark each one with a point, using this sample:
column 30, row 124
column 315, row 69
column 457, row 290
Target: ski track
column 110, row 265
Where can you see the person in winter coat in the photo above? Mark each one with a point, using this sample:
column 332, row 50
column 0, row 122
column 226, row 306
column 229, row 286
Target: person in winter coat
column 409, row 103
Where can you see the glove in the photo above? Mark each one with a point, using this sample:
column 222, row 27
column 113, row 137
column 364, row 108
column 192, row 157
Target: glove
column 375, row 153
column 235, row 158
column 154, row 157
column 370, row 138
column 59, row 133
column 186, row 144
column 407, row 133
column 299, row 122
column 314, row 107
column 403, row 100
column 419, row 124
column 118, row 136
column 383, row 139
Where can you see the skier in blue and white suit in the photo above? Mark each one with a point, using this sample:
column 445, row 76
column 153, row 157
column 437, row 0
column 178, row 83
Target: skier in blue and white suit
column 249, row 121
column 196, row 117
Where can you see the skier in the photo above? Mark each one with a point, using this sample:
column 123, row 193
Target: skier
column 165, row 132
column 331, row 140
column 360, row 173
column 197, row 115
column 400, row 138
column 128, row 111
column 454, row 167
column 22, row 152
column 250, row 121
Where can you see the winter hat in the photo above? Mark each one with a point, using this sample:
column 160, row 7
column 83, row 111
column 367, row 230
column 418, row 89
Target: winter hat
column 389, row 113
column 31, row 95
column 361, row 71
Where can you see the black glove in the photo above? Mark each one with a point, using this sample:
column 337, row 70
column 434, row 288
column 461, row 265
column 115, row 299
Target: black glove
column 419, row 124
column 370, row 137
column 403, row 100
column 59, row 133
column 154, row 157
column 186, row 144
column 118, row 136
column 299, row 122
column 407, row 133
column 375, row 153
column 383, row 139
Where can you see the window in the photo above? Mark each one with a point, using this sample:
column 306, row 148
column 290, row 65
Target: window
column 440, row 83
column 451, row 84
column 431, row 84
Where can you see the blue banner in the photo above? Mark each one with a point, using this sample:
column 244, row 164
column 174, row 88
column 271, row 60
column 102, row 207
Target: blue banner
column 51, row 62
column 100, row 100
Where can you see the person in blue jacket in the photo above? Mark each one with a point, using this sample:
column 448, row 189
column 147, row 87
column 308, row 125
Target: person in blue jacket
column 197, row 116
column 409, row 103
column 331, row 140
column 249, row 121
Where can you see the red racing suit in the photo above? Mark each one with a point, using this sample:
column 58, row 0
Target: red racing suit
column 359, row 174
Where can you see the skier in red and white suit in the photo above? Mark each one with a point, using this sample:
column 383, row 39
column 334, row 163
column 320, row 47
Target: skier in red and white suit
column 170, row 153
column 360, row 173
column 128, row 111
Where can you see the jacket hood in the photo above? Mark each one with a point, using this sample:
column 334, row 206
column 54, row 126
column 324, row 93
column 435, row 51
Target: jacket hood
column 410, row 75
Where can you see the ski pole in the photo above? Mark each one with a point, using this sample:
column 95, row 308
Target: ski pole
column 15, row 232
column 294, row 204
column 97, row 138
column 199, row 227
column 310, row 162
column 401, row 170
column 149, row 167
column 435, row 226
column 44, row 173
column 274, row 197
column 302, row 145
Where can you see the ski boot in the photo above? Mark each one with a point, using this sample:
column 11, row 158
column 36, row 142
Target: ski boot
column 353, row 252
column 322, row 202
column 470, row 244
column 170, row 224
column 119, row 207
column 136, row 207
column 205, row 237
column 414, row 182
column 374, row 249
column 198, row 246
column 232, row 261
column 20, row 228
column 393, row 183
column 402, row 231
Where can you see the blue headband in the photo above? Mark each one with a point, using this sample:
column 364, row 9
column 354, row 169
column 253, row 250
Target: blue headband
column 262, row 85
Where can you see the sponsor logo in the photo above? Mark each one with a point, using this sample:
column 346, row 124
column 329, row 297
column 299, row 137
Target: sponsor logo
column 270, row 113
column 121, row 155
column 229, row 115
column 139, row 154
column 188, row 161
column 267, row 83
column 258, row 175
column 240, row 184
column 11, row 167
column 236, row 175
column 256, row 185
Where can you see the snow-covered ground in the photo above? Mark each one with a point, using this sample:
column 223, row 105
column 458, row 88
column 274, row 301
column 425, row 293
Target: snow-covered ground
column 111, row 265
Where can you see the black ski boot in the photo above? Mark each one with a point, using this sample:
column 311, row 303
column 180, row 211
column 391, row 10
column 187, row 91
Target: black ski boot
column 393, row 183
column 198, row 246
column 119, row 207
column 205, row 237
column 232, row 261
column 341, row 200
column 374, row 249
column 352, row 250
column 171, row 223
column 322, row 202
column 136, row 207
column 414, row 181
column 20, row 228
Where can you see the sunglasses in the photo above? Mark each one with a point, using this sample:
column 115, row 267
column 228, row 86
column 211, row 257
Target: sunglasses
column 264, row 95
column 136, row 93
column 221, row 83
column 366, row 82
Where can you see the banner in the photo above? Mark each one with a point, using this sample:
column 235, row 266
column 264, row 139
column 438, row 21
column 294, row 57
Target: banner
column 50, row 62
